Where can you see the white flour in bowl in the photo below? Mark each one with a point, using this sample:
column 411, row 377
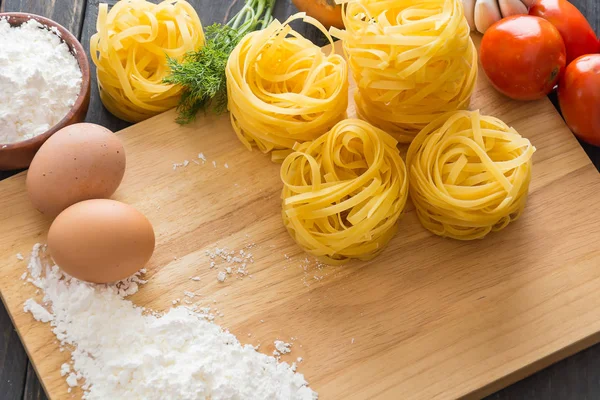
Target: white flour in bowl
column 121, row 353
column 39, row 80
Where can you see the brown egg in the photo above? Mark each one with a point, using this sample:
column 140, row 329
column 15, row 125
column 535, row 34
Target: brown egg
column 101, row 240
column 79, row 162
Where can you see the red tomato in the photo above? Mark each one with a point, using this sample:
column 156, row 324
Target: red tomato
column 575, row 30
column 523, row 56
column 579, row 98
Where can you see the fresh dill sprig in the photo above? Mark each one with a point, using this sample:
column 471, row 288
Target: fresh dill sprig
column 202, row 73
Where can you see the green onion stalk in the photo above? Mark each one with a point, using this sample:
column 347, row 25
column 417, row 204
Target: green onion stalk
column 201, row 73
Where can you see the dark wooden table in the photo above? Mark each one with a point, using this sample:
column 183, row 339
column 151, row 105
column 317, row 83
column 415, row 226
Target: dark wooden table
column 577, row 377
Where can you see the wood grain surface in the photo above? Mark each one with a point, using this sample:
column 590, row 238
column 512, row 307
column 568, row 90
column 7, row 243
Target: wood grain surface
column 79, row 16
column 429, row 318
column 577, row 377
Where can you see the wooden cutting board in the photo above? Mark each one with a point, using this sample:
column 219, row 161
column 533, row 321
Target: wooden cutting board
column 430, row 318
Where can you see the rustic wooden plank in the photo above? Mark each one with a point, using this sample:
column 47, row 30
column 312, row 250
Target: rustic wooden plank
column 591, row 9
column 96, row 113
column 67, row 13
column 13, row 361
column 576, row 377
column 33, row 390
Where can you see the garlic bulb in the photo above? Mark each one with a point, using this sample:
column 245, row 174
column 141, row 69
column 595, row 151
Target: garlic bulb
column 469, row 6
column 487, row 13
column 481, row 14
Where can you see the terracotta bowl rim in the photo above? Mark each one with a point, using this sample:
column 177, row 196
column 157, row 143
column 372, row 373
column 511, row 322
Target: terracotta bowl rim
column 82, row 61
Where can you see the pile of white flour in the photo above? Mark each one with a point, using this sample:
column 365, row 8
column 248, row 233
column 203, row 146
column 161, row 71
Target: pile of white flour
column 39, row 80
column 120, row 353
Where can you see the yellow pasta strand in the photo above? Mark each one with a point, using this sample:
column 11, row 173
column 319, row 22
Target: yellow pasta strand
column 344, row 192
column 283, row 89
column 413, row 60
column 130, row 48
column 469, row 175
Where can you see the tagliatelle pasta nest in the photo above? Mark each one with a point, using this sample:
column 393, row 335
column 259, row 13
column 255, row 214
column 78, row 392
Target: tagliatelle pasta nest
column 130, row 50
column 412, row 61
column 283, row 89
column 469, row 175
column 344, row 192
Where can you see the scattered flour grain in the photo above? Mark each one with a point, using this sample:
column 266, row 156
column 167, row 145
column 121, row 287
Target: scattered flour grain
column 118, row 352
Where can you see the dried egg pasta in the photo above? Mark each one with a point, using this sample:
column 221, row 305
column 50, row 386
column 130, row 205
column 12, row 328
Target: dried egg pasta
column 283, row 89
column 344, row 192
column 469, row 175
column 412, row 61
column 130, row 52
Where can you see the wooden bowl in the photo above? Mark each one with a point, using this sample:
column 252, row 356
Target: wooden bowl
column 19, row 154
